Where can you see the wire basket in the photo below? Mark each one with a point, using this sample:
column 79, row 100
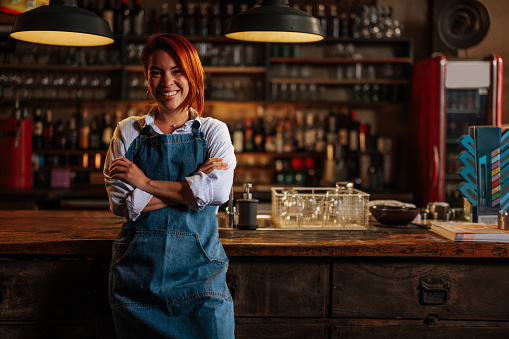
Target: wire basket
column 319, row 208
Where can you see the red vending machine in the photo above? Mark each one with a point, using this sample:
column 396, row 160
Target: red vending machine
column 448, row 96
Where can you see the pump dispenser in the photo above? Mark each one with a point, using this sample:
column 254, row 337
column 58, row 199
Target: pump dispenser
column 247, row 210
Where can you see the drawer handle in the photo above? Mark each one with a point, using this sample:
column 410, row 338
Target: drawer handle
column 434, row 291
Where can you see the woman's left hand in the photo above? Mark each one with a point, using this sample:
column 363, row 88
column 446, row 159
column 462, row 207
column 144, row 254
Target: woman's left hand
column 213, row 164
column 128, row 171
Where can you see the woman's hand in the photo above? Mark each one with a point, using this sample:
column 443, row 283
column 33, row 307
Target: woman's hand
column 126, row 170
column 213, row 164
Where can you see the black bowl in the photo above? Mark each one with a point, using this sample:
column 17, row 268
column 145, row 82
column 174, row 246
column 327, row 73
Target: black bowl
column 394, row 215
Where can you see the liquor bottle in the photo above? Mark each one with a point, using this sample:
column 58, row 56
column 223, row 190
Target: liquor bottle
column 48, row 133
column 73, row 137
column 230, row 11
column 179, row 19
column 138, row 19
column 310, row 133
column 125, row 23
column 38, row 130
column 249, row 144
column 343, row 128
column 332, row 123
column 334, row 22
column 288, row 138
column 343, row 25
column 164, row 19
column 216, row 21
column 84, row 130
column 190, row 20
column 107, row 130
column 259, row 131
column 353, row 133
column 203, row 20
column 323, row 20
column 94, row 139
column 299, row 131
column 109, row 15
column 60, row 136
column 238, row 138
column 320, row 144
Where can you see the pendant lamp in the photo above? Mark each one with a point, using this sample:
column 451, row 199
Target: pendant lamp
column 62, row 23
column 275, row 21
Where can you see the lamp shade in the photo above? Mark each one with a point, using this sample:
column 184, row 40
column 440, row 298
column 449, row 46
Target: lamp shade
column 61, row 24
column 275, row 21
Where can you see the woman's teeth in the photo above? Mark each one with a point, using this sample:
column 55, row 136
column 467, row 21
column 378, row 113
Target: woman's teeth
column 168, row 94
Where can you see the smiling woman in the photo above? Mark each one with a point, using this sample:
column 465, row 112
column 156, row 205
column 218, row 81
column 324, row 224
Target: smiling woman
column 167, row 172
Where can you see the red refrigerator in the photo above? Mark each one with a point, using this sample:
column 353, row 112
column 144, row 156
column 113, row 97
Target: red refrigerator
column 448, row 96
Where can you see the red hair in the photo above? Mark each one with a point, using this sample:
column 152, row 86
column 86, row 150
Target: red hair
column 185, row 55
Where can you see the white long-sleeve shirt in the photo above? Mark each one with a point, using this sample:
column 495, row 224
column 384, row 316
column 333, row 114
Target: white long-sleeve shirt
column 208, row 189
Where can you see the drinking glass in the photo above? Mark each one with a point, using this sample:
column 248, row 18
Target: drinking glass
column 312, row 211
column 291, row 210
column 332, row 210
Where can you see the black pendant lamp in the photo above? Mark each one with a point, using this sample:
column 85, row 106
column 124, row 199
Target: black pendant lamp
column 62, row 23
column 275, row 21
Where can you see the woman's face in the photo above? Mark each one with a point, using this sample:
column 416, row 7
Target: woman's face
column 166, row 82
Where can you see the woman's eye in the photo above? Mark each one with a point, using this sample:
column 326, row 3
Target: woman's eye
column 154, row 73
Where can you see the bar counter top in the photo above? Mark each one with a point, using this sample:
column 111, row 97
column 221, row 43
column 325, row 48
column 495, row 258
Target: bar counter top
column 91, row 233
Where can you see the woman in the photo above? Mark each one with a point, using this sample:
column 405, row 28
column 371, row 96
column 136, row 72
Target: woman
column 167, row 172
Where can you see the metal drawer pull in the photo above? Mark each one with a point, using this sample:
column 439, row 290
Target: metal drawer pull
column 434, row 291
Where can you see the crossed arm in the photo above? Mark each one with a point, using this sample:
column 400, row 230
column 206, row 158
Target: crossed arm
column 165, row 193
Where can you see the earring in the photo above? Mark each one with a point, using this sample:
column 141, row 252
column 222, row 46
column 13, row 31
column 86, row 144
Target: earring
column 150, row 102
column 197, row 92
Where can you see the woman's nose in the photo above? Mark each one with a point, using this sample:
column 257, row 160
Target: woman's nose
column 169, row 79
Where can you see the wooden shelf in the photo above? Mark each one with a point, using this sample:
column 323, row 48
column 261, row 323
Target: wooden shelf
column 400, row 60
column 214, row 69
column 346, row 82
column 86, row 68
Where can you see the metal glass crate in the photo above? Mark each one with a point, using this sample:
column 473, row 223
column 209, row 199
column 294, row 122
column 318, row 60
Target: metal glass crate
column 319, row 208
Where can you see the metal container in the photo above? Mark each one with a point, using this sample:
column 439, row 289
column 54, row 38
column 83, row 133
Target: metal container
column 503, row 220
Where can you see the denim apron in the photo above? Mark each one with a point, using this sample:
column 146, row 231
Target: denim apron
column 168, row 270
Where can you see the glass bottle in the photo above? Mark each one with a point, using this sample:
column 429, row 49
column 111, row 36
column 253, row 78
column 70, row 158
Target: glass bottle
column 179, row 19
column 216, row 20
column 38, row 130
column 164, row 19
column 109, row 15
column 84, row 130
column 125, row 18
column 48, row 130
column 107, row 130
column 203, row 20
column 138, row 19
column 190, row 20
column 334, row 22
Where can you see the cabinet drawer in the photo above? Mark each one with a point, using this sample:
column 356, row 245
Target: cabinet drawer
column 298, row 330
column 278, row 287
column 57, row 291
column 463, row 330
column 467, row 290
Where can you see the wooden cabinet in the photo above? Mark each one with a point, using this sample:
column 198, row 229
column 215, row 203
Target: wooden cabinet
column 53, row 299
column 378, row 298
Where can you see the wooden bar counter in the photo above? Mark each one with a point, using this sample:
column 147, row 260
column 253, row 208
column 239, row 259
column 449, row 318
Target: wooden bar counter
column 382, row 282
